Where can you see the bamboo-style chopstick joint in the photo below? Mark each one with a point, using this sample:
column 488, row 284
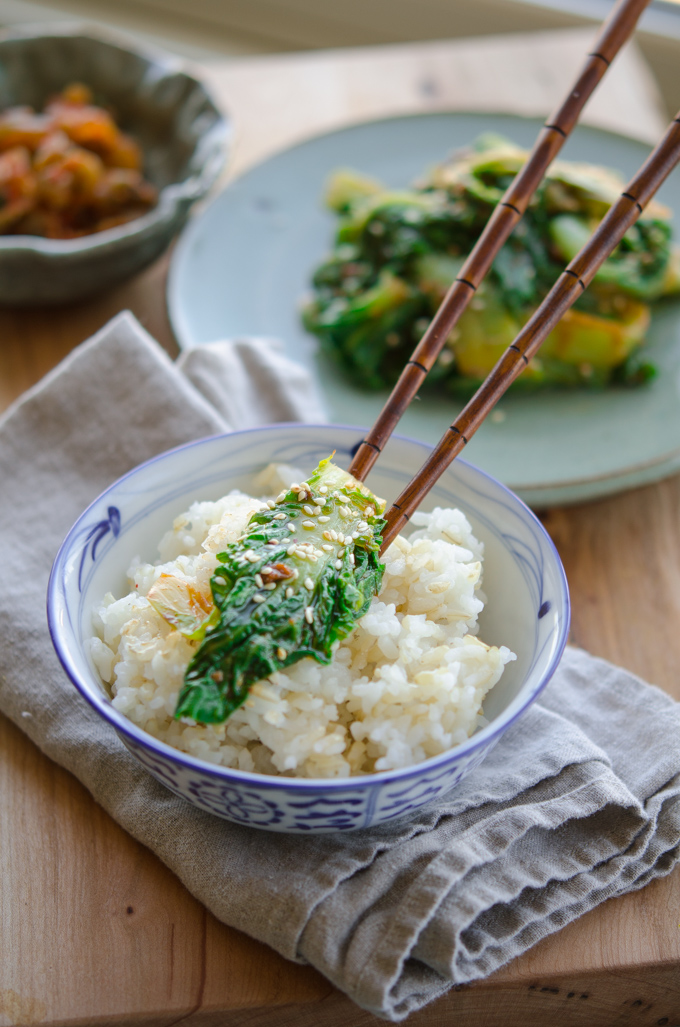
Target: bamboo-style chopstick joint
column 618, row 27
column 556, row 128
column 518, row 350
column 568, row 271
column 628, row 196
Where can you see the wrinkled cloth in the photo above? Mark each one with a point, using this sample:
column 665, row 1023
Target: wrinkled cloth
column 251, row 382
column 578, row 802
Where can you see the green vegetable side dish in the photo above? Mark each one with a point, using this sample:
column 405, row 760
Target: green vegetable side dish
column 397, row 252
column 297, row 580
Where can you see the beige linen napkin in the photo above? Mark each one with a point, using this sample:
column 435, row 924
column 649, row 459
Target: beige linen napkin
column 579, row 801
column 251, row 382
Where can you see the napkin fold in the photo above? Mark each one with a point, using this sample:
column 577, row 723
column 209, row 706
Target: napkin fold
column 578, row 802
column 251, row 382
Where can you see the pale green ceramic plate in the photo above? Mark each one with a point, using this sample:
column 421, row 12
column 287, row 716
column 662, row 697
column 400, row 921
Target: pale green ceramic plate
column 244, row 263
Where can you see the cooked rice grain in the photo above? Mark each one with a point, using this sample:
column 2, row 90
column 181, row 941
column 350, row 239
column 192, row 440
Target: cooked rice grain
column 407, row 684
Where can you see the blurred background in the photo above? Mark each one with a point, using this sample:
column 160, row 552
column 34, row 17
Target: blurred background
column 237, row 28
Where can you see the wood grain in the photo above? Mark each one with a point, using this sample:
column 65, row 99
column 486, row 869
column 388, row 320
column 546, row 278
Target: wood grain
column 70, row 952
column 277, row 101
column 32, row 341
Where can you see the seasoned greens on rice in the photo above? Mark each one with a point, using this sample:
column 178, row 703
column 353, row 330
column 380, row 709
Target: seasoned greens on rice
column 296, row 581
column 406, row 684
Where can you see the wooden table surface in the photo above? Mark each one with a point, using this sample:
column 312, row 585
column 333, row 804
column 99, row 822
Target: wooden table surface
column 95, row 929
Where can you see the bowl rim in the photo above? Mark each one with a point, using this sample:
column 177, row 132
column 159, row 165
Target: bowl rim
column 484, row 738
column 195, row 185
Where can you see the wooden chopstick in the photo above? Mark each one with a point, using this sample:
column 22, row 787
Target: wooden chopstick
column 568, row 287
column 614, row 33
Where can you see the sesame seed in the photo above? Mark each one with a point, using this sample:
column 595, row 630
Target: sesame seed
column 323, row 489
column 313, row 557
column 324, row 519
column 344, row 511
column 334, row 535
column 308, row 524
column 280, row 498
column 341, row 538
column 291, row 527
column 253, row 559
column 279, row 517
column 327, row 549
column 308, row 583
column 338, row 564
column 301, row 496
column 351, row 558
column 309, row 615
column 291, row 550
column 370, row 512
column 281, row 653
column 308, row 510
column 294, row 487
column 271, row 586
column 355, row 535
column 300, row 553
column 316, row 511
column 290, row 591
column 257, row 598
column 328, row 535
column 258, row 580
column 271, row 504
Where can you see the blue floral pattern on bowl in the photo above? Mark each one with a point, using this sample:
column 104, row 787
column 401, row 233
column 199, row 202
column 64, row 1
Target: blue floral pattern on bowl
column 95, row 534
column 527, row 609
column 299, row 807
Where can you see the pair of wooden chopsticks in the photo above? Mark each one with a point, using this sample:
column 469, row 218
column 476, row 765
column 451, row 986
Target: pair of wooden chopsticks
column 564, row 293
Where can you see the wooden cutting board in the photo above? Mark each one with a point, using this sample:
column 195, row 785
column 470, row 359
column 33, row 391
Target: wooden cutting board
column 95, row 930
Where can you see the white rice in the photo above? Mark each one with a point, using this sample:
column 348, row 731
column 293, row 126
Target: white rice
column 407, row 684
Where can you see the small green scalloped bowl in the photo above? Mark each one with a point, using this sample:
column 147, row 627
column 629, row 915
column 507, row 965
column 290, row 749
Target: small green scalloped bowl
column 172, row 116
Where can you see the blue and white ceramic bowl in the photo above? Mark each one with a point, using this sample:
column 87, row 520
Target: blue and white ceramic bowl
column 527, row 610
